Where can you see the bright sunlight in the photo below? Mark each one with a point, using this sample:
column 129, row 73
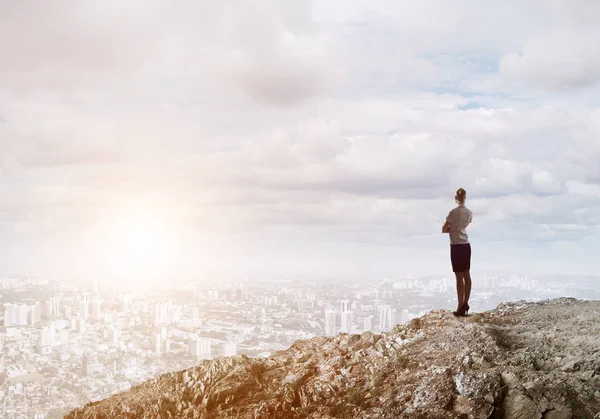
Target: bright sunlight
column 141, row 247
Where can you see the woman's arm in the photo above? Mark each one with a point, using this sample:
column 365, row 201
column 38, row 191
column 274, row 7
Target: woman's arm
column 446, row 227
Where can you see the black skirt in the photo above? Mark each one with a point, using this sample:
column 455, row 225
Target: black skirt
column 460, row 255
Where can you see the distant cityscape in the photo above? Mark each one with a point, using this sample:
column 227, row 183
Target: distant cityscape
column 64, row 345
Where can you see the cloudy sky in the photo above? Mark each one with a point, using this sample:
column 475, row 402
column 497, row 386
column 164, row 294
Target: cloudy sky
column 278, row 136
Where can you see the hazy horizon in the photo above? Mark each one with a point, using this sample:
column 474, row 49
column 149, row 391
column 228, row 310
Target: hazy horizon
column 151, row 139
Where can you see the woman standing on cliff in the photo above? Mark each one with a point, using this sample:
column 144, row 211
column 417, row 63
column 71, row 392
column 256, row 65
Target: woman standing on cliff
column 460, row 249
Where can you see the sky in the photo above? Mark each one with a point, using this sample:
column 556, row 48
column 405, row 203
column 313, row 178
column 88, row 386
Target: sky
column 297, row 137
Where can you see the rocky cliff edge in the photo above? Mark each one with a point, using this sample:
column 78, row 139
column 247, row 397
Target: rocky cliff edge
column 521, row 360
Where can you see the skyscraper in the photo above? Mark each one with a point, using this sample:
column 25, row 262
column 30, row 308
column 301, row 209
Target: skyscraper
column 200, row 348
column 85, row 361
column 97, row 310
column 64, row 337
column 156, row 342
column 113, row 336
column 347, row 325
column 19, row 314
column 55, row 303
column 38, row 312
column 90, row 364
column 32, row 315
column 8, row 314
column 205, row 349
column 84, row 310
column 195, row 314
column 47, row 309
column 368, row 323
column 162, row 313
column 192, row 343
column 330, row 322
column 22, row 314
column 46, row 340
column 345, row 306
column 386, row 317
column 80, row 325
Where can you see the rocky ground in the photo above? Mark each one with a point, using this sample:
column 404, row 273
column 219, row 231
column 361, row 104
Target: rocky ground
column 521, row 360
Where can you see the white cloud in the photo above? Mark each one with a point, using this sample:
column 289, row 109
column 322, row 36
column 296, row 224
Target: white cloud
column 558, row 60
column 319, row 125
column 273, row 54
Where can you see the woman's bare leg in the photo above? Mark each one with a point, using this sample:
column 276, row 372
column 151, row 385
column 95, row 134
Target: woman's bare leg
column 467, row 277
column 460, row 288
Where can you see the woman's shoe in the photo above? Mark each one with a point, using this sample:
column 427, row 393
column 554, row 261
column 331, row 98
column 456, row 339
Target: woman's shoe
column 460, row 312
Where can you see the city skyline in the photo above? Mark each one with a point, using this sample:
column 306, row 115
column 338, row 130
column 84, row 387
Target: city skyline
column 63, row 345
column 153, row 140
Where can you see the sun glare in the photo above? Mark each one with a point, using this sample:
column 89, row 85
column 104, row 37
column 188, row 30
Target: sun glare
column 142, row 247
column 141, row 237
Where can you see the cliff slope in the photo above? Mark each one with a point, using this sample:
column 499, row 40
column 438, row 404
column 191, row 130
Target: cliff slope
column 521, row 360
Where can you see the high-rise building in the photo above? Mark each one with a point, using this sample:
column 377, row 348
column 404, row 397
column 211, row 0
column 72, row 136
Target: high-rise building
column 46, row 340
column 192, row 343
column 50, row 308
column 156, row 342
column 53, row 333
column 23, row 314
column 85, row 361
column 205, row 349
column 126, row 302
column 45, row 337
column 239, row 294
column 347, row 325
column 113, row 335
column 64, row 337
column 368, row 323
column 84, row 306
column 195, row 314
column 38, row 312
column 19, row 315
column 68, row 312
column 32, row 315
column 345, row 306
column 97, row 310
column 175, row 317
column 84, row 309
column 200, row 348
column 386, row 317
column 47, row 309
column 162, row 313
column 80, row 325
column 8, row 314
column 55, row 307
column 330, row 322
column 90, row 364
